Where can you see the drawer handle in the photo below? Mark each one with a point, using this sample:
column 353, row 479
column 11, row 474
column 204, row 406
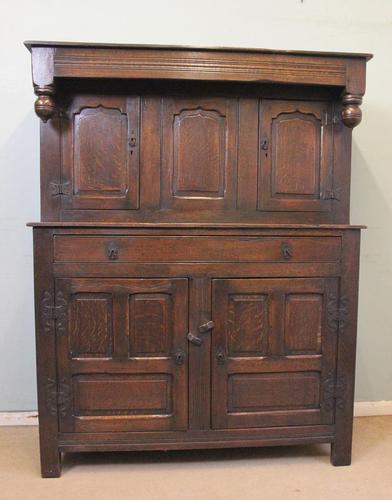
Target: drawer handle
column 112, row 251
column 194, row 339
column 287, row 251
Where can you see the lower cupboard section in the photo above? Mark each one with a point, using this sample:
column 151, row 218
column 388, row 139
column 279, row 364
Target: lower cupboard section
column 125, row 353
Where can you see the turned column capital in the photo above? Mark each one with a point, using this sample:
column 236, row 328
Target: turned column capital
column 45, row 106
column 351, row 112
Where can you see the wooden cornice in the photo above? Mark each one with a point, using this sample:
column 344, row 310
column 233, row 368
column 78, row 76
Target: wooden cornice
column 53, row 60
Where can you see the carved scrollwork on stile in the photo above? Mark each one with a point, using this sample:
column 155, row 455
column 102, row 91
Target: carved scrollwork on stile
column 54, row 316
column 337, row 311
column 58, row 397
column 61, row 313
column 47, row 315
column 334, row 392
column 51, row 396
column 64, row 397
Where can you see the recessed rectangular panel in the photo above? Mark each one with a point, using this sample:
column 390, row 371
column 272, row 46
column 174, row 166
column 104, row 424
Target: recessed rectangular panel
column 295, row 160
column 303, row 323
column 100, row 151
column 199, row 150
column 273, row 391
column 296, row 154
column 90, row 325
column 122, row 394
column 150, row 322
column 247, row 324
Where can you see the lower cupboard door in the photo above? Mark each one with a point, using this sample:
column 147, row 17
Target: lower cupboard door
column 122, row 354
column 273, row 352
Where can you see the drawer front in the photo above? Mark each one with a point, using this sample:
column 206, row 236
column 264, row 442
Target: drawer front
column 150, row 249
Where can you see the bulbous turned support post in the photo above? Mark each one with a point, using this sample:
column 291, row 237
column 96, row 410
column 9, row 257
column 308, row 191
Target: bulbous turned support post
column 42, row 59
column 45, row 106
column 351, row 112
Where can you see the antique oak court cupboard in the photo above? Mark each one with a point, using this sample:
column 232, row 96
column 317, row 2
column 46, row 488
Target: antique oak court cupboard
column 196, row 274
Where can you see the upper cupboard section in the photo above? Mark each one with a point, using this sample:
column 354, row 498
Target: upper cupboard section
column 196, row 157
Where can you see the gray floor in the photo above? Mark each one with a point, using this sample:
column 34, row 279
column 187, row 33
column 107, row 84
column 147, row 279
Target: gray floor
column 285, row 473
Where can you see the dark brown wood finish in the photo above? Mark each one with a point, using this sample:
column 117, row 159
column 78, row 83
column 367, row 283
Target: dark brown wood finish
column 45, row 329
column 195, row 271
column 273, row 351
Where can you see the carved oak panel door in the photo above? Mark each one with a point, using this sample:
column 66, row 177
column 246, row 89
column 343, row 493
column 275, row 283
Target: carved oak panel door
column 273, row 357
column 122, row 354
column 100, row 153
column 295, row 166
column 199, row 153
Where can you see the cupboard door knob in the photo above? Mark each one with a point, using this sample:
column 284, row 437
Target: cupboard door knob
column 179, row 357
column 220, row 357
column 287, row 251
column 194, row 339
column 206, row 327
column 112, row 251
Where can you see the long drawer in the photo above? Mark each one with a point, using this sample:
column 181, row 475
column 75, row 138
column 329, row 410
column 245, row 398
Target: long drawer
column 69, row 248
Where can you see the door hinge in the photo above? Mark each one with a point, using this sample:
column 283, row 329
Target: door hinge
column 59, row 189
column 332, row 119
column 332, row 194
column 58, row 397
column 337, row 312
column 334, row 392
column 54, row 312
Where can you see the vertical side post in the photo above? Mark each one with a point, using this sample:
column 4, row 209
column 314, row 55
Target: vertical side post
column 46, row 353
column 341, row 448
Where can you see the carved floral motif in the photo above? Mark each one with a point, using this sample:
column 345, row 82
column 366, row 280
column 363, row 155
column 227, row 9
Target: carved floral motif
column 58, row 397
column 334, row 392
column 337, row 311
column 54, row 316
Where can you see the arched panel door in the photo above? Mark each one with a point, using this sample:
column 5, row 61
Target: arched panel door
column 199, row 153
column 296, row 162
column 100, row 153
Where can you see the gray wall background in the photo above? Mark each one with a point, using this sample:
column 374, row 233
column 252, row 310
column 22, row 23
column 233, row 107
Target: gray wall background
column 350, row 25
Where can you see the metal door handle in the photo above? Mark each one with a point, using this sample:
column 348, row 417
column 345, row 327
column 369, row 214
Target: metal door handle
column 194, row 339
column 206, row 327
